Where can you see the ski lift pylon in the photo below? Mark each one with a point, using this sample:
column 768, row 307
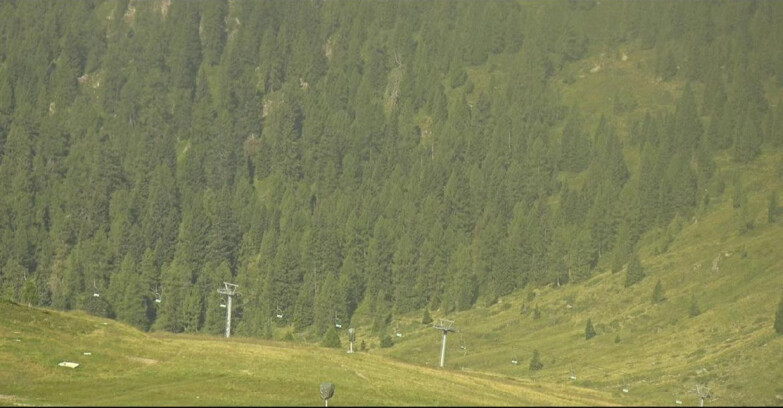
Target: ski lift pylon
column 157, row 294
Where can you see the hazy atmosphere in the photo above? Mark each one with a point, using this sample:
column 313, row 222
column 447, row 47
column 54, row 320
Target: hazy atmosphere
column 418, row 203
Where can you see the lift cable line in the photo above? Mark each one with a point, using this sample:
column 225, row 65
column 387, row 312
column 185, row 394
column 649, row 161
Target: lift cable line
column 230, row 290
column 445, row 326
column 200, row 283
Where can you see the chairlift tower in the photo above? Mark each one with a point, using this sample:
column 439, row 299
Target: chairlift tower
column 703, row 392
column 445, row 326
column 96, row 292
column 230, row 290
column 156, row 292
column 351, row 338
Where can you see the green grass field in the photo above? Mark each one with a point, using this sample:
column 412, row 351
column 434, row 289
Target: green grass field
column 128, row 367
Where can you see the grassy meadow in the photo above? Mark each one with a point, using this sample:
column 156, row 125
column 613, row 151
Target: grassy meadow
column 127, row 367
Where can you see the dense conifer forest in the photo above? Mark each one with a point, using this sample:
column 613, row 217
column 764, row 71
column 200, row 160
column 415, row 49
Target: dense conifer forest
column 342, row 157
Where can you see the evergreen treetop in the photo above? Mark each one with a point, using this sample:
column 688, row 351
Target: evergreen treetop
column 635, row 272
column 779, row 318
column 589, row 330
column 658, row 293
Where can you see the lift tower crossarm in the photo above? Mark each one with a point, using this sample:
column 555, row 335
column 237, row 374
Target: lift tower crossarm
column 230, row 290
column 446, row 326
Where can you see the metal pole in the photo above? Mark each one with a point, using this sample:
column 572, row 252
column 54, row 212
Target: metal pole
column 443, row 349
column 228, row 317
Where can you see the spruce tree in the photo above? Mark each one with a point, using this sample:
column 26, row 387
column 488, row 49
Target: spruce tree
column 426, row 319
column 193, row 310
column 635, row 272
column 175, row 279
column 658, row 293
column 404, row 275
column 128, row 294
column 747, row 138
column 96, row 306
column 589, row 330
column 382, row 313
column 135, row 303
column 738, row 197
column 695, row 311
column 779, row 318
column 386, row 341
column 575, row 146
column 303, row 308
column 742, row 218
column 331, row 338
column 535, row 361
column 214, row 29
column 622, row 248
column 776, row 131
column 30, row 292
column 12, row 278
column 325, row 308
column 464, row 286
column 269, row 331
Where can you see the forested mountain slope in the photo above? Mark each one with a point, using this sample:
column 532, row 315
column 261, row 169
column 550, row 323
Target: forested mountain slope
column 377, row 157
column 706, row 312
